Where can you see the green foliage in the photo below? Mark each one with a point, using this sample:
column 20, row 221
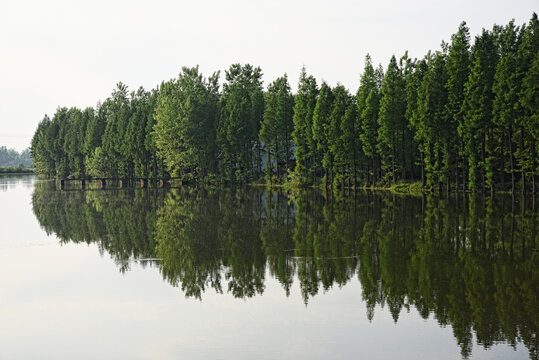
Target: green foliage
column 477, row 132
column 240, row 116
column 392, row 128
column 302, row 134
column 321, row 127
column 457, row 70
column 336, row 135
column 368, row 103
column 506, row 90
column 186, row 115
column 98, row 164
column 430, row 124
column 464, row 113
column 276, row 129
column 16, row 170
column 528, row 121
column 11, row 158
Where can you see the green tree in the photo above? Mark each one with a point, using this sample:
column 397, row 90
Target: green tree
column 277, row 125
column 186, row 116
column 240, row 116
column 457, row 69
column 117, row 113
column 74, row 141
column 431, row 127
column 527, row 122
column 321, row 124
column 478, row 132
column 305, row 102
column 337, row 148
column 413, row 116
column 54, row 142
column 506, row 96
column 392, row 122
column 368, row 103
column 351, row 152
column 43, row 161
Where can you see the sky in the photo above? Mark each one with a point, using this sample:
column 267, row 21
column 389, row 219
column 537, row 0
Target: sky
column 72, row 53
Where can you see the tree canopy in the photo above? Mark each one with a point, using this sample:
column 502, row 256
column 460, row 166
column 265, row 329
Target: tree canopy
column 464, row 116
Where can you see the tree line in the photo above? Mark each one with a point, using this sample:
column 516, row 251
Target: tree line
column 467, row 261
column 464, row 116
column 12, row 158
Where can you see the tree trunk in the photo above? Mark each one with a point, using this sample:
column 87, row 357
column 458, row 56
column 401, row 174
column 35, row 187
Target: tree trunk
column 393, row 165
column 483, row 162
column 457, row 169
column 523, row 171
column 511, row 160
column 277, row 157
column 403, row 151
column 373, row 171
column 533, row 165
column 268, row 166
column 422, row 171
column 355, row 168
column 502, row 165
column 439, row 165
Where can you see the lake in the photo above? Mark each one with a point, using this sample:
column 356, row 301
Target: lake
column 245, row 273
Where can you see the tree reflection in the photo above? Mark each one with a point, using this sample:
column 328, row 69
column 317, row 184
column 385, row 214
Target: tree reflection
column 470, row 262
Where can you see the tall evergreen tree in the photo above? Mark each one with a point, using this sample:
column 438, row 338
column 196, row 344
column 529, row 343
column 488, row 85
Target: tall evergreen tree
column 117, row 113
column 54, row 142
column 478, row 134
column 527, row 122
column 277, row 125
column 186, row 116
column 408, row 145
column 336, row 136
column 241, row 112
column 506, row 96
column 321, row 124
column 391, row 121
column 304, row 104
column 413, row 115
column 368, row 100
column 351, row 153
column 74, row 141
column 457, row 69
column 43, row 161
column 431, row 128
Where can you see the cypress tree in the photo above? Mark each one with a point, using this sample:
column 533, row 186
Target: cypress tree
column 430, row 126
column 413, row 84
column 186, row 115
column 335, row 136
column 527, row 122
column 305, row 102
column 277, row 124
column 368, row 100
column 506, row 95
column 457, row 69
column 321, row 124
column 478, row 109
column 240, row 116
column 391, row 121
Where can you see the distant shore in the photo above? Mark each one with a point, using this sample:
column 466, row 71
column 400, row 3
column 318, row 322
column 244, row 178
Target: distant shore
column 16, row 171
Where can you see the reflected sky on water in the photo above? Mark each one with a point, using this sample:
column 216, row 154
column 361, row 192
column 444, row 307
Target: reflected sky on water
column 197, row 273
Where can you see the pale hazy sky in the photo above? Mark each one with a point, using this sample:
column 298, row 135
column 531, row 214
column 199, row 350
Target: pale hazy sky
column 72, row 53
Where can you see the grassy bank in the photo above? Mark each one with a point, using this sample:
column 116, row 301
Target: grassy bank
column 16, row 170
column 401, row 188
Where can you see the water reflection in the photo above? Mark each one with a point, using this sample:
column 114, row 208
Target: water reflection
column 12, row 180
column 468, row 261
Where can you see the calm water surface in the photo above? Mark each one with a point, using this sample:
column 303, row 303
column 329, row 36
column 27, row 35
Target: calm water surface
column 208, row 274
